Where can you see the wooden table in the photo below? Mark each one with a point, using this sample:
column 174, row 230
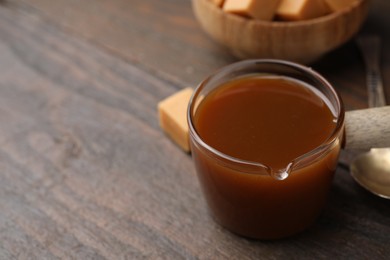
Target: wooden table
column 86, row 172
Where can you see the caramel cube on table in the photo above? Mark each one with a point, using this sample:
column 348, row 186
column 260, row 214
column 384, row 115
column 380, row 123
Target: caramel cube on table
column 172, row 113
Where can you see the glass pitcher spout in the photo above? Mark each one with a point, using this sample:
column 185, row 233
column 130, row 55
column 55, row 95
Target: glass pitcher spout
column 281, row 174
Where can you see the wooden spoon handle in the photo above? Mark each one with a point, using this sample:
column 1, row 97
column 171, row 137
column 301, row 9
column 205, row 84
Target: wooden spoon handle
column 367, row 128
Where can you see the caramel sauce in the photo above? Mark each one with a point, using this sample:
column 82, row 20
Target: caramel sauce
column 266, row 120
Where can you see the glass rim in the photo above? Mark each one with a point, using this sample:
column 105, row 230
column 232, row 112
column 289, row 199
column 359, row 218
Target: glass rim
column 327, row 144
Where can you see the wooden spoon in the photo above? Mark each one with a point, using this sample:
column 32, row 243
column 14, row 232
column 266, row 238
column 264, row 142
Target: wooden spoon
column 371, row 170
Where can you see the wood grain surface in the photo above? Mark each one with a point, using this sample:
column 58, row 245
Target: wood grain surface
column 85, row 171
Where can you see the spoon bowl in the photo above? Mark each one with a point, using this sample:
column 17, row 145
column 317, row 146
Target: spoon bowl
column 370, row 167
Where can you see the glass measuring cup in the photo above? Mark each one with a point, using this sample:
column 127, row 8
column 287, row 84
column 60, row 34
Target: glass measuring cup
column 249, row 198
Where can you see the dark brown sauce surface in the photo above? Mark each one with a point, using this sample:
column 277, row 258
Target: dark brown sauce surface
column 267, row 120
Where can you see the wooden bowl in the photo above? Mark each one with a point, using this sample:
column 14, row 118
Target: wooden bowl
column 301, row 41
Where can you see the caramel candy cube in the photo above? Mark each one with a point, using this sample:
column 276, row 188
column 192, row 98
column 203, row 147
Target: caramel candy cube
column 172, row 113
column 257, row 9
column 295, row 10
column 337, row 5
